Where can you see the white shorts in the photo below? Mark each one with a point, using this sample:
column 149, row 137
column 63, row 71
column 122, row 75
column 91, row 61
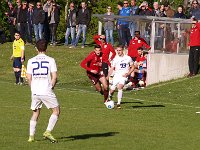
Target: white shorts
column 118, row 79
column 50, row 101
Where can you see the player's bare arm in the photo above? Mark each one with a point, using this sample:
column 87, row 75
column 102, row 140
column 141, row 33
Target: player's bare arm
column 54, row 79
column 130, row 71
column 110, row 72
column 29, row 78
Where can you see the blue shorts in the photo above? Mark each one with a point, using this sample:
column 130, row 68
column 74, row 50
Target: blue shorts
column 17, row 62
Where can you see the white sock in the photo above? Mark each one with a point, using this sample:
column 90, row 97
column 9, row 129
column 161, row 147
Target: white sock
column 32, row 127
column 119, row 97
column 52, row 122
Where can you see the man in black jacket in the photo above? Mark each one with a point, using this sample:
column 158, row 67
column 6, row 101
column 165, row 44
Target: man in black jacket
column 83, row 20
column 38, row 21
column 71, row 24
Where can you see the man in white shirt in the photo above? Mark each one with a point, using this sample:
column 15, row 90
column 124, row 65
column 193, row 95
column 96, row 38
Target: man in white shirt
column 122, row 66
column 42, row 77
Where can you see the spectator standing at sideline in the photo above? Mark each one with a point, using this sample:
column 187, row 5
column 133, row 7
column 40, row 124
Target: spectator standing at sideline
column 133, row 24
column 18, row 57
column 38, row 21
column 71, row 24
column 119, row 31
column 123, row 67
column 54, row 19
column 47, row 8
column 144, row 9
column 17, row 14
column 109, row 25
column 23, row 21
column 169, row 12
column 30, row 23
column 92, row 63
column 180, row 13
column 123, row 25
column 194, row 45
column 10, row 20
column 42, row 82
column 195, row 10
column 106, row 49
column 83, row 21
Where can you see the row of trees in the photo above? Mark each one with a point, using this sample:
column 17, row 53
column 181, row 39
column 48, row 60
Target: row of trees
column 96, row 7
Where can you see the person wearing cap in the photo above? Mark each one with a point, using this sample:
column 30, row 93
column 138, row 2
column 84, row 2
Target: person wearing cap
column 194, row 45
column 109, row 25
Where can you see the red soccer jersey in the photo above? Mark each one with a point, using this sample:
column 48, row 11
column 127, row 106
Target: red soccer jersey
column 195, row 35
column 92, row 62
column 106, row 49
column 135, row 44
column 139, row 58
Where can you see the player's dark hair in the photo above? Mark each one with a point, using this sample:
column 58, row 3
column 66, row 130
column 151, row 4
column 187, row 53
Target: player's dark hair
column 140, row 48
column 97, row 46
column 17, row 32
column 120, row 46
column 41, row 45
column 120, row 3
column 137, row 32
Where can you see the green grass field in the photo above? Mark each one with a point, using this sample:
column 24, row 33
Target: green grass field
column 159, row 117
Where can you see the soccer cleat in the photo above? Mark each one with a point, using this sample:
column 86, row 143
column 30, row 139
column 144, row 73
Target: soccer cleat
column 118, row 106
column 49, row 136
column 31, row 138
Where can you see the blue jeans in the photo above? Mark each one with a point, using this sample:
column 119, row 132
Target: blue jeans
column 109, row 36
column 132, row 27
column 81, row 28
column 70, row 30
column 38, row 30
column 30, row 31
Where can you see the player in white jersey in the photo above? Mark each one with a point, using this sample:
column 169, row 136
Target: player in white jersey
column 122, row 66
column 42, row 76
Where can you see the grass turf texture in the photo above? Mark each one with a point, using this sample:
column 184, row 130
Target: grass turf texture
column 159, row 117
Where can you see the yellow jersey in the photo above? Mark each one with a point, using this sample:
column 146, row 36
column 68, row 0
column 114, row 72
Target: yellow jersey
column 18, row 46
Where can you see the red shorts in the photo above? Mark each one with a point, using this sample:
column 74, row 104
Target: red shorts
column 94, row 77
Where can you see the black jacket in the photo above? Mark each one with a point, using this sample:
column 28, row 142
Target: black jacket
column 180, row 15
column 83, row 17
column 56, row 16
column 38, row 16
column 71, row 18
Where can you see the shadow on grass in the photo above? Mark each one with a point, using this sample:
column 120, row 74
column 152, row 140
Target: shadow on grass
column 131, row 102
column 88, row 136
column 147, row 106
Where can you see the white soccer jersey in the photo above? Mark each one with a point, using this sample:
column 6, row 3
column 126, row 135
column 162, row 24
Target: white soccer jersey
column 122, row 64
column 40, row 67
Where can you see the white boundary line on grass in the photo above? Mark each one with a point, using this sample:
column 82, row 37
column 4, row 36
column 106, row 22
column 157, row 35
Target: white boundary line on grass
column 141, row 100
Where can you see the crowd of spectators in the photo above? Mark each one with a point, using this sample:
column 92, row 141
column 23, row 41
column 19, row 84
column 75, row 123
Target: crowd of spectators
column 43, row 19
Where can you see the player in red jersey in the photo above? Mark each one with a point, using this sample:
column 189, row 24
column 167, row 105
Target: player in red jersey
column 134, row 44
column 93, row 65
column 107, row 48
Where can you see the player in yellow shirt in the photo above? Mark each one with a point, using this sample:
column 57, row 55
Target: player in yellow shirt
column 18, row 57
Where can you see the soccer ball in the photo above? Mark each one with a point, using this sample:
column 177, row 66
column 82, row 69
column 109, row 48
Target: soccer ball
column 110, row 104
